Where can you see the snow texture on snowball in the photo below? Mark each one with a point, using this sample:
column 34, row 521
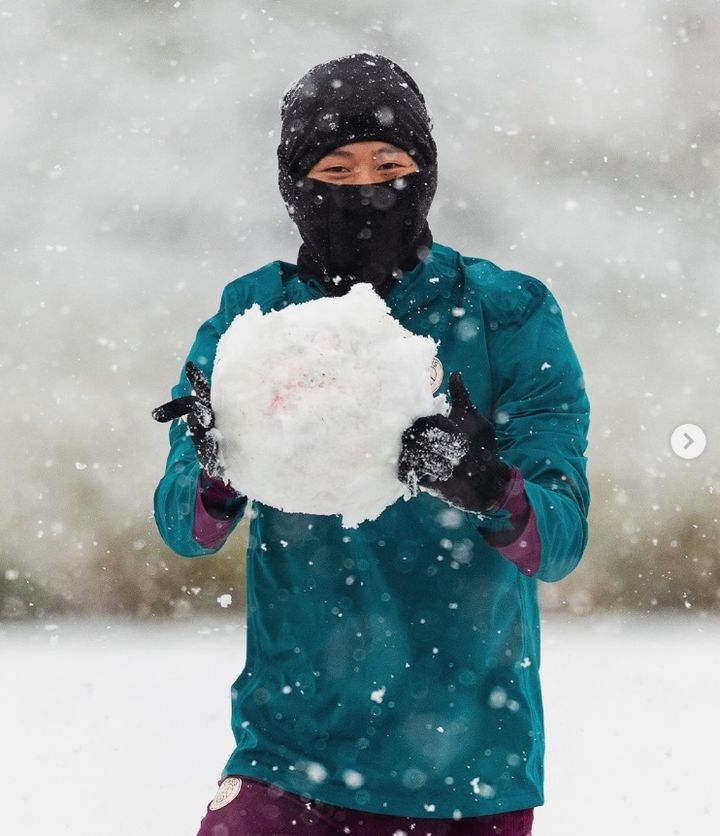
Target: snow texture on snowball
column 311, row 402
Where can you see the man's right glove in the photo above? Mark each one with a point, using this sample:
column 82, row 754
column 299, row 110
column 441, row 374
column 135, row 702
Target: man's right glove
column 200, row 420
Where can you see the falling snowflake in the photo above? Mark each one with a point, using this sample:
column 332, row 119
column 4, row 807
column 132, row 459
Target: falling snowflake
column 377, row 695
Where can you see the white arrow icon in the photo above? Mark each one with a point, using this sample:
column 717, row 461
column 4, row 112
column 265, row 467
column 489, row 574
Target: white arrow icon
column 688, row 441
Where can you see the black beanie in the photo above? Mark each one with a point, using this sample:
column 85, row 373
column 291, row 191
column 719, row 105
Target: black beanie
column 351, row 233
column 357, row 97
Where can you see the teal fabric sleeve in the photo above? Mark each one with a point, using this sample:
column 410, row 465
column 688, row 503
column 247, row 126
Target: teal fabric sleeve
column 541, row 414
column 176, row 493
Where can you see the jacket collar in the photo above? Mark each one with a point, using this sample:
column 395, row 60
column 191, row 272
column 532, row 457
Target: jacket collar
column 432, row 279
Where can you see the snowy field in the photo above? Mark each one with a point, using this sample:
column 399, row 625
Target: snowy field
column 120, row 728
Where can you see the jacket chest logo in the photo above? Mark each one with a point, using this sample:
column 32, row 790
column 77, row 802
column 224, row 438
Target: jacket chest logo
column 436, row 374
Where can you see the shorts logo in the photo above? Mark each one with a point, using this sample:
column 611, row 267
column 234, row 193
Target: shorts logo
column 436, row 374
column 227, row 791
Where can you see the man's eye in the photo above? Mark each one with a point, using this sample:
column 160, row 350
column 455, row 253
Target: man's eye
column 390, row 165
column 335, row 169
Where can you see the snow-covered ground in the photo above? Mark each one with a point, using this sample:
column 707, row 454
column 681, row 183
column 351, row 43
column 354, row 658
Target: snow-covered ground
column 120, row 728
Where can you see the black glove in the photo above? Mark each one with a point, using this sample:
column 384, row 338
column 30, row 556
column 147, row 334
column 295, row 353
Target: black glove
column 454, row 456
column 200, row 419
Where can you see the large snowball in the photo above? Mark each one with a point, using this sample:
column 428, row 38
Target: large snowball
column 311, row 401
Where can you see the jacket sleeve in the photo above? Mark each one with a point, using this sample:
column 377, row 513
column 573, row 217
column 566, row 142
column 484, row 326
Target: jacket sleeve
column 541, row 414
column 176, row 497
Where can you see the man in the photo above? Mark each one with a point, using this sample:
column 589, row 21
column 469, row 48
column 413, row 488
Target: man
column 391, row 682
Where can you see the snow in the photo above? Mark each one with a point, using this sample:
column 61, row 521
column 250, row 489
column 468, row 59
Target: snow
column 99, row 714
column 316, row 772
column 480, row 788
column 378, row 694
column 311, row 402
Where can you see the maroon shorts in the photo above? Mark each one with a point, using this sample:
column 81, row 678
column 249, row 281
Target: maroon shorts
column 248, row 807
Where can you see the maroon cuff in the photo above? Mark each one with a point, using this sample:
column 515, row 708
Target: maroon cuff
column 524, row 551
column 524, row 548
column 209, row 531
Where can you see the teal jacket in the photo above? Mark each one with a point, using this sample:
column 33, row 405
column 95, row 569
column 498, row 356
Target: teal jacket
column 395, row 667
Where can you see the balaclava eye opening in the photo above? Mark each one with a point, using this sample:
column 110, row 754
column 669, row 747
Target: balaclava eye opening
column 357, row 233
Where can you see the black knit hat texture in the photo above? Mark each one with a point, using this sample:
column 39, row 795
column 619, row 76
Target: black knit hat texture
column 357, row 97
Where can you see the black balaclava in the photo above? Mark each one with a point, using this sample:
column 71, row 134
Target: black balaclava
column 357, row 233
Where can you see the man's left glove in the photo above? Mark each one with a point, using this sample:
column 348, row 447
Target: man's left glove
column 200, row 420
column 454, row 456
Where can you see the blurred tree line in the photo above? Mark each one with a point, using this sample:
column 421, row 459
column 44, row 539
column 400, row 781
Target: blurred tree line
column 668, row 559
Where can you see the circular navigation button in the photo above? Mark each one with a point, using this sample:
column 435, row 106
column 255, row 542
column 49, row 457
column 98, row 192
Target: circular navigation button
column 688, row 441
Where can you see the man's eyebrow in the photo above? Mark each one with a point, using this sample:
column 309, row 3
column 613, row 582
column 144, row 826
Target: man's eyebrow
column 386, row 149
